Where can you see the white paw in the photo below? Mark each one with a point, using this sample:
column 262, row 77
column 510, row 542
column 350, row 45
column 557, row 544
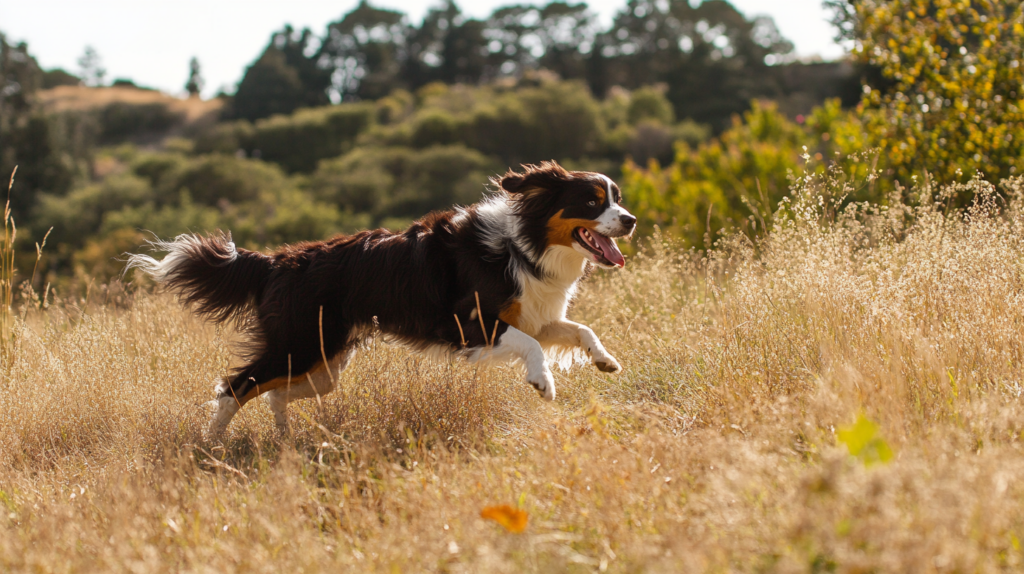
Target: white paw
column 544, row 383
column 607, row 363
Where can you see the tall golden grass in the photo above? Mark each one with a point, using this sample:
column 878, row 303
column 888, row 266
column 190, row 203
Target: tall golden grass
column 717, row 449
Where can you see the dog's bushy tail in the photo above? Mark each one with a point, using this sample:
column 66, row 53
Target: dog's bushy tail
column 209, row 274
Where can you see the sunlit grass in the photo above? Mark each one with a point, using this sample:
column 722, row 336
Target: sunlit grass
column 751, row 375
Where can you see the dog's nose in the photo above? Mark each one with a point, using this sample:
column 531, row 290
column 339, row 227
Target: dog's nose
column 627, row 220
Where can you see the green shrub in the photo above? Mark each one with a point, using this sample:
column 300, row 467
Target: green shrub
column 121, row 121
column 552, row 121
column 214, row 179
column 80, row 213
column 746, row 169
column 226, row 137
column 650, row 104
column 160, row 169
column 297, row 142
column 435, row 127
column 404, row 182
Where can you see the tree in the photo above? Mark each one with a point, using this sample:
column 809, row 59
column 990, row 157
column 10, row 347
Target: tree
column 270, row 86
column 713, row 60
column 447, row 47
column 20, row 76
column 27, row 139
column 556, row 37
column 283, row 79
column 366, row 50
column 844, row 18
column 91, row 67
column 956, row 105
column 195, row 79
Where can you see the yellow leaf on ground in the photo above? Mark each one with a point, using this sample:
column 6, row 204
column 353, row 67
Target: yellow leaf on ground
column 513, row 519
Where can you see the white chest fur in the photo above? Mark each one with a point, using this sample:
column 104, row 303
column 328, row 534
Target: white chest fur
column 546, row 300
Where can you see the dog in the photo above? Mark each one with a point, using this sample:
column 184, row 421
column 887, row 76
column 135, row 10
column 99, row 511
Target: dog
column 493, row 281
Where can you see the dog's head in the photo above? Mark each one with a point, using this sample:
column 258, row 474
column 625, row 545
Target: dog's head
column 575, row 209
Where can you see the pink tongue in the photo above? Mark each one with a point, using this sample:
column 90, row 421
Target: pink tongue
column 610, row 250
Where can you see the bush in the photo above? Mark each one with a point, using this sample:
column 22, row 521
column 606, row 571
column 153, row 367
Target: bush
column 957, row 101
column 79, row 214
column 212, row 180
column 299, row 141
column 435, row 127
column 650, row 104
column 121, row 121
column 553, row 121
column 403, row 182
column 160, row 169
column 746, row 169
column 227, row 138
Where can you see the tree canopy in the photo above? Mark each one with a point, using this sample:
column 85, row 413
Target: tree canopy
column 711, row 58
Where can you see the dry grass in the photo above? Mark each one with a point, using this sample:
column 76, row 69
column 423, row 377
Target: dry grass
column 79, row 98
column 715, row 450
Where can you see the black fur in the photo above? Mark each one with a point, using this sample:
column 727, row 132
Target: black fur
column 218, row 281
column 411, row 285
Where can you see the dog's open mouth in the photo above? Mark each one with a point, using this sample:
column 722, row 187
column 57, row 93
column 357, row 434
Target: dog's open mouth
column 602, row 246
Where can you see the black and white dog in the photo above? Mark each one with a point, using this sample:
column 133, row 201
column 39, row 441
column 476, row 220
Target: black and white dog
column 493, row 280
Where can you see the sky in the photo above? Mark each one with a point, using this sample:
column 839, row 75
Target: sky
column 152, row 41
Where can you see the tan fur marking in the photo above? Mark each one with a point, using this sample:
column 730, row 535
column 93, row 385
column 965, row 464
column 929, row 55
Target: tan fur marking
column 510, row 314
column 560, row 230
column 278, row 383
column 600, row 194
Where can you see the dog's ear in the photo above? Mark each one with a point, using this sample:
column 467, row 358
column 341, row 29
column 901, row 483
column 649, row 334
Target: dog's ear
column 512, row 182
column 535, row 177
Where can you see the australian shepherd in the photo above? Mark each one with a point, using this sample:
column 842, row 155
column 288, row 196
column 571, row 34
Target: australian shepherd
column 490, row 281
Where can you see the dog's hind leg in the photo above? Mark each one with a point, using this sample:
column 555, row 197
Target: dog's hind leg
column 224, row 408
column 317, row 382
column 259, row 376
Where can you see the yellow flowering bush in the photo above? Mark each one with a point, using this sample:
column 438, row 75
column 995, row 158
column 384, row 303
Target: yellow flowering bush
column 956, row 105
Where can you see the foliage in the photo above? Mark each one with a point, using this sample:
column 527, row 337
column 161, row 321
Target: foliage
column 403, row 182
column 556, row 120
column 58, row 77
column 957, row 101
column 91, row 68
column 282, row 79
column 195, row 82
column 731, row 180
column 297, row 142
column 711, row 59
column 166, row 194
column 864, row 441
column 120, row 121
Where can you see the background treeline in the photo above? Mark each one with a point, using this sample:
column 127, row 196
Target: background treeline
column 378, row 119
column 711, row 60
column 694, row 109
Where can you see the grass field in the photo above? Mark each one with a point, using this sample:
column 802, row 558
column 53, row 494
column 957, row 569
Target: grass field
column 730, row 443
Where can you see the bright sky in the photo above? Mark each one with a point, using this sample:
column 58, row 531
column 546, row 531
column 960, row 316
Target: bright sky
column 151, row 41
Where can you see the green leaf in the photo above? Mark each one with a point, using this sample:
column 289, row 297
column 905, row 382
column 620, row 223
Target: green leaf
column 864, row 442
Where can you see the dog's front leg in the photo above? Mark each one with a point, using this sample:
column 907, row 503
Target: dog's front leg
column 568, row 334
column 515, row 344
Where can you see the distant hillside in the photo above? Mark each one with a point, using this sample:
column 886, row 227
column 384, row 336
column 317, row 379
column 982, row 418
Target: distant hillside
column 81, row 98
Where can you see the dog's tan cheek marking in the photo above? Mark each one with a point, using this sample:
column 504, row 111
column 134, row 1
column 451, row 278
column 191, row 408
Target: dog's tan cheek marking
column 560, row 230
column 600, row 194
column 511, row 313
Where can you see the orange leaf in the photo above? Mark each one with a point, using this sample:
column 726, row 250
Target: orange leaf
column 513, row 519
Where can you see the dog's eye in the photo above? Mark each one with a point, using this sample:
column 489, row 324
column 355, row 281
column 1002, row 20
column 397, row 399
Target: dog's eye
column 592, row 203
